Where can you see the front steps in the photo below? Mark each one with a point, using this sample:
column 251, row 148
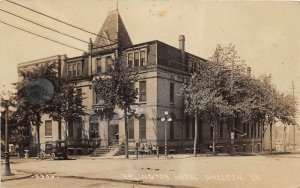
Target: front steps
column 103, row 151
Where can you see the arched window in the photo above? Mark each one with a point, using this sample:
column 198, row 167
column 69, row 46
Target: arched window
column 142, row 125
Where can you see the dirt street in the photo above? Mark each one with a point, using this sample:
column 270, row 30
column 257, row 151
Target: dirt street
column 180, row 171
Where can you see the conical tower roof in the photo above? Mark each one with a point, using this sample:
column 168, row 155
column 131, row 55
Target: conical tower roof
column 113, row 31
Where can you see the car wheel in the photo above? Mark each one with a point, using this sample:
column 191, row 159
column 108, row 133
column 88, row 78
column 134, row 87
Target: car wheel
column 52, row 156
column 41, row 156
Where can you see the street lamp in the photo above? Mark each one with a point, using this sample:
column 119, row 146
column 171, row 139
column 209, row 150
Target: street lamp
column 166, row 118
column 6, row 108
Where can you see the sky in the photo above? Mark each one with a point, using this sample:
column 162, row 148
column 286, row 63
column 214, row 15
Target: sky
column 266, row 34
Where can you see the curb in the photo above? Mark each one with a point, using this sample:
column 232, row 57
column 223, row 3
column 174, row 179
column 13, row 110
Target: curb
column 16, row 178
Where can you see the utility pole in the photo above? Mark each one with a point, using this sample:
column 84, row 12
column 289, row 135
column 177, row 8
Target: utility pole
column 233, row 120
column 293, row 87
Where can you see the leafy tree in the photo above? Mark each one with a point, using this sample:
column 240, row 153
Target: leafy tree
column 28, row 113
column 115, row 88
column 225, row 91
column 65, row 104
column 204, row 97
column 231, row 83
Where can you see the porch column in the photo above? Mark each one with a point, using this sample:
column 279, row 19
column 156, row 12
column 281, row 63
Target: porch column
column 103, row 129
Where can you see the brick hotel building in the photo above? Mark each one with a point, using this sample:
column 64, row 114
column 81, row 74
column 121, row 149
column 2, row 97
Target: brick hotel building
column 163, row 70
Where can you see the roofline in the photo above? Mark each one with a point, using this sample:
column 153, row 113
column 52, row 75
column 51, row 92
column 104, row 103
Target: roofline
column 33, row 62
column 141, row 44
column 158, row 41
column 185, row 51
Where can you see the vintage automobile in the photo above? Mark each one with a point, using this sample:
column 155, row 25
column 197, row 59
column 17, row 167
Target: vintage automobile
column 55, row 149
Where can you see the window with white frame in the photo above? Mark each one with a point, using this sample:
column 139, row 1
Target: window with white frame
column 137, row 58
column 75, row 69
column 48, row 128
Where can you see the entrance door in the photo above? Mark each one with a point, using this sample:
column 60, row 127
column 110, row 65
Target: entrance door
column 113, row 130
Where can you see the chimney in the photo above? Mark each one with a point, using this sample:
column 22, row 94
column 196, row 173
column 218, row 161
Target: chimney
column 90, row 64
column 181, row 48
column 249, row 71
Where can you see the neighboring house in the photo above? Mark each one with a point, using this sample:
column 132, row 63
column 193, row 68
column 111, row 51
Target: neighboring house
column 163, row 70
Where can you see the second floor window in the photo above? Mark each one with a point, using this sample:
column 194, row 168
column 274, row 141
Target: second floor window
column 142, row 91
column 48, row 128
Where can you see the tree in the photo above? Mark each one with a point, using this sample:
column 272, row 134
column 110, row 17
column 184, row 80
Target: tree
column 67, row 105
column 286, row 112
column 224, row 90
column 65, row 102
column 115, row 88
column 29, row 113
column 231, row 82
column 203, row 96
